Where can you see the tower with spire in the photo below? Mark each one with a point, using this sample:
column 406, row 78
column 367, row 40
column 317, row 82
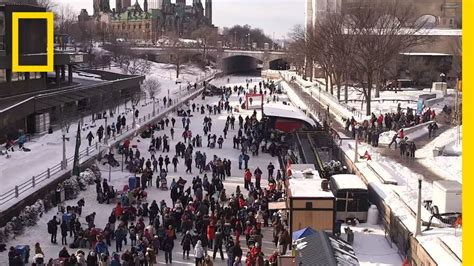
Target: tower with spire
column 208, row 10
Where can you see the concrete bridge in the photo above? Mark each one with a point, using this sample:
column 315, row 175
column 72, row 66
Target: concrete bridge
column 229, row 60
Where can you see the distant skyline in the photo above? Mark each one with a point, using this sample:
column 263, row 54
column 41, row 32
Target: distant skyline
column 273, row 16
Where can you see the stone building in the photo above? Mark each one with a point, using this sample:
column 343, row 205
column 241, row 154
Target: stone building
column 154, row 19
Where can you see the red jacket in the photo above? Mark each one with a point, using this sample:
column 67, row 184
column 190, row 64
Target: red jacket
column 118, row 210
column 402, row 134
column 210, row 232
column 380, row 119
column 248, row 176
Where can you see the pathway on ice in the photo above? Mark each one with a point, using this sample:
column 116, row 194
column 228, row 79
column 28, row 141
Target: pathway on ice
column 394, row 155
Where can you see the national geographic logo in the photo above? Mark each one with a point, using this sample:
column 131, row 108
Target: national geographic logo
column 49, row 17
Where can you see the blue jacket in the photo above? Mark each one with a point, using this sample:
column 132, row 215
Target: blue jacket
column 101, row 247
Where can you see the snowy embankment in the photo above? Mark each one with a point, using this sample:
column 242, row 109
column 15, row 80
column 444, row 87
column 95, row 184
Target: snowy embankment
column 402, row 197
column 46, row 150
column 448, row 165
column 387, row 102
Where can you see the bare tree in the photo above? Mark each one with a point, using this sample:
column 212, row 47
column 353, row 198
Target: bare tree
column 177, row 54
column 207, row 36
column 48, row 4
column 330, row 48
column 137, row 66
column 299, row 48
column 381, row 31
column 152, row 86
column 120, row 53
column 64, row 18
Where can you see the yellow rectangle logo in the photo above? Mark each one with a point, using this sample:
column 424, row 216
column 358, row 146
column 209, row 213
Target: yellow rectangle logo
column 49, row 67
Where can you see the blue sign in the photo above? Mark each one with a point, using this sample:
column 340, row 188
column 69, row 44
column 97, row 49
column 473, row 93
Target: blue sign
column 419, row 107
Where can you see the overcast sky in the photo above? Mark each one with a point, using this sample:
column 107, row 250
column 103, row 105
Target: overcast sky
column 273, row 16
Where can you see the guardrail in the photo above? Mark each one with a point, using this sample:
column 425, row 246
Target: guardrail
column 88, row 152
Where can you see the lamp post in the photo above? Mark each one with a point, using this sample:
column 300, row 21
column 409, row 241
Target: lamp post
column 106, row 138
column 418, row 210
column 356, row 150
column 64, row 161
column 133, row 116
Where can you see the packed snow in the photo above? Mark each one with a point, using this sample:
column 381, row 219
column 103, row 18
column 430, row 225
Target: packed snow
column 46, row 150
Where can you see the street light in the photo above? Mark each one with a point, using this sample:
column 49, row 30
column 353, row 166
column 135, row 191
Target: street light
column 110, row 167
column 106, row 138
column 133, row 116
column 64, row 162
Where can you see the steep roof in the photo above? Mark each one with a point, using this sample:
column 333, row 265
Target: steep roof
column 321, row 248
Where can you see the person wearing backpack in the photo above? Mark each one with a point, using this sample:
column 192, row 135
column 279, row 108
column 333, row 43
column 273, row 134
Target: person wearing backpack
column 186, row 243
column 53, row 229
column 133, row 235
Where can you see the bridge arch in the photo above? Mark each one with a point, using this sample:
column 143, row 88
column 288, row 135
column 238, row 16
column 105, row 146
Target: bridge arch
column 280, row 63
column 239, row 64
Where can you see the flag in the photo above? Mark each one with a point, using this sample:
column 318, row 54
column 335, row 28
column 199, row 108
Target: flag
column 75, row 169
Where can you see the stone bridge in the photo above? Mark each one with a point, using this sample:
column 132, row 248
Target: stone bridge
column 227, row 59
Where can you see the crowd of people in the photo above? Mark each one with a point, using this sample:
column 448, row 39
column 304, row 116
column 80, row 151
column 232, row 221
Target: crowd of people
column 370, row 130
column 203, row 218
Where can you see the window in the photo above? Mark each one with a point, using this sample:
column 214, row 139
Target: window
column 140, row 26
column 35, row 75
column 2, row 31
column 309, row 205
column 16, row 76
column 3, row 76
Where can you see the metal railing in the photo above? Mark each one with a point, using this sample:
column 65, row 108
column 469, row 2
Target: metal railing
column 91, row 151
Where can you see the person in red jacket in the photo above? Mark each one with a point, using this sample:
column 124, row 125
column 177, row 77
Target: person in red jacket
column 380, row 121
column 211, row 231
column 118, row 210
column 401, row 134
column 247, row 178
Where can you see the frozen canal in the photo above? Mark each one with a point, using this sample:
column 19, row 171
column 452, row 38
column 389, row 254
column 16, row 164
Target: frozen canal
column 39, row 232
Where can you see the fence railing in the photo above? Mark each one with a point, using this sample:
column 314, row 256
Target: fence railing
column 88, row 152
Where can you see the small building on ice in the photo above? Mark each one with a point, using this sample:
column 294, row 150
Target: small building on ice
column 287, row 118
column 321, row 248
column 352, row 196
column 310, row 203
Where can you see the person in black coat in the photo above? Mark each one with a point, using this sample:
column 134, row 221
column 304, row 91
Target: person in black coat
column 92, row 259
column 64, row 233
column 218, row 239
column 63, row 253
column 53, row 229
column 168, row 248
column 186, row 242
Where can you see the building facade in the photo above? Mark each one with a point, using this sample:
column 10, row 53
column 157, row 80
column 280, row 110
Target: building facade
column 443, row 17
column 440, row 14
column 154, row 19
